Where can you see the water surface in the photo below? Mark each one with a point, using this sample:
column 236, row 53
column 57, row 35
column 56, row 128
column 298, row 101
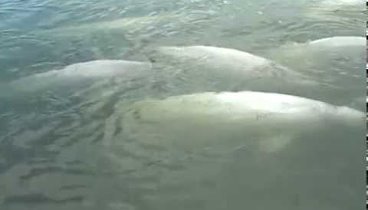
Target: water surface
column 61, row 147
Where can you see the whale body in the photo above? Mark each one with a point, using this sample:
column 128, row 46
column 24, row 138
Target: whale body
column 265, row 121
column 224, row 69
column 341, row 4
column 337, row 61
column 336, row 10
column 348, row 50
column 80, row 73
column 252, row 138
column 206, row 55
column 339, row 41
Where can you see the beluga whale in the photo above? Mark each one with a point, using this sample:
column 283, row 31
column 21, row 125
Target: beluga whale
column 265, row 122
column 80, row 74
column 208, row 68
column 337, row 61
column 337, row 10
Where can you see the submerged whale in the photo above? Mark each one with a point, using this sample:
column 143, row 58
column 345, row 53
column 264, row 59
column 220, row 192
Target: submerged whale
column 320, row 53
column 223, row 69
column 334, row 9
column 338, row 61
column 267, row 122
column 339, row 41
column 332, row 5
column 81, row 73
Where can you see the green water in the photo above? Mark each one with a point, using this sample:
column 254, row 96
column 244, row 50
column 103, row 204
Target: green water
column 61, row 143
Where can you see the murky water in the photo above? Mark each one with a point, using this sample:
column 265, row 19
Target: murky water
column 74, row 138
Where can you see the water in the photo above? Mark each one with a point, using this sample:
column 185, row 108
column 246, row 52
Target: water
column 62, row 140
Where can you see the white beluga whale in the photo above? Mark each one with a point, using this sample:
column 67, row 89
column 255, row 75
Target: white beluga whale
column 205, row 55
column 339, row 41
column 208, row 68
column 348, row 50
column 94, row 85
column 338, row 61
column 266, row 122
column 336, row 9
column 332, row 5
column 337, row 5
column 81, row 73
